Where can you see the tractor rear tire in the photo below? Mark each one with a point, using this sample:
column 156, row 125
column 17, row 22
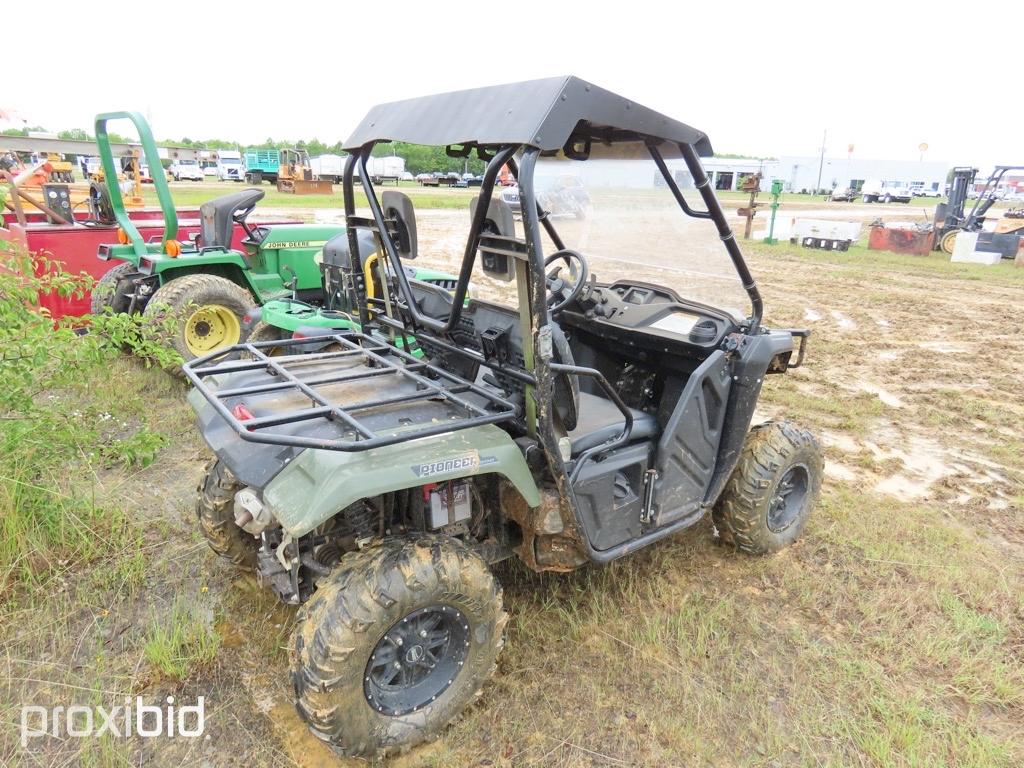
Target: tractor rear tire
column 206, row 311
column 111, row 289
column 776, row 484
column 215, row 512
column 369, row 614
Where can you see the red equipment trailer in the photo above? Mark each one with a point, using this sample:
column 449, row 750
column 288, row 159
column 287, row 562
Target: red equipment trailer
column 75, row 246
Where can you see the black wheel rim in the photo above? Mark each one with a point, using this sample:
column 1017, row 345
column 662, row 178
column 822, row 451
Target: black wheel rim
column 788, row 498
column 416, row 660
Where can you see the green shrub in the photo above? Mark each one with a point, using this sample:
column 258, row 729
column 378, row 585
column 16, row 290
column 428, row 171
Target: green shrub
column 62, row 417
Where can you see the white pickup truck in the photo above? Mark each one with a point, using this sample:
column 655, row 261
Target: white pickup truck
column 875, row 191
column 186, row 169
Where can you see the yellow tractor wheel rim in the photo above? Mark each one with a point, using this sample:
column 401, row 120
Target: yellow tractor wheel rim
column 211, row 327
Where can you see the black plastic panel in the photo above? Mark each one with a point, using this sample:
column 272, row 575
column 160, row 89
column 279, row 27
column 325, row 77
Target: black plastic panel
column 688, row 447
column 610, row 495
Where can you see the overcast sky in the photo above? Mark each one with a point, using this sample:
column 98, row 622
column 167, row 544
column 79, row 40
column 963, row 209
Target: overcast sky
column 761, row 78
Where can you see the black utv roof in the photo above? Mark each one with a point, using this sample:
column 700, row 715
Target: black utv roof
column 540, row 113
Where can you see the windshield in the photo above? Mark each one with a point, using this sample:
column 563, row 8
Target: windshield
column 187, row 162
column 616, row 209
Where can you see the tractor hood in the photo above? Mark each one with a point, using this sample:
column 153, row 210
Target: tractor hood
column 299, row 235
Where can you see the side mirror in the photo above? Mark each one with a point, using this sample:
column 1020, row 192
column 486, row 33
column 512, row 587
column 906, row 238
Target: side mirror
column 398, row 208
column 499, row 221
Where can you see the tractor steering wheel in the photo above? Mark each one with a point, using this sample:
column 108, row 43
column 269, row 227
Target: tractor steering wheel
column 565, row 291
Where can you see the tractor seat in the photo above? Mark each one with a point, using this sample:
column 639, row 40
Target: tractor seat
column 218, row 216
column 599, row 420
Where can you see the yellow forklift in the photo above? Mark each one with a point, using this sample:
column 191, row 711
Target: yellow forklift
column 950, row 218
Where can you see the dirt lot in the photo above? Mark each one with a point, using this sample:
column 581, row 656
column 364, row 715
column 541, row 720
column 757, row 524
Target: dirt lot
column 890, row 635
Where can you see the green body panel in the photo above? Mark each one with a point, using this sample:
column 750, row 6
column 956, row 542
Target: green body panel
column 291, row 250
column 317, row 485
column 291, row 316
column 433, row 275
column 288, row 251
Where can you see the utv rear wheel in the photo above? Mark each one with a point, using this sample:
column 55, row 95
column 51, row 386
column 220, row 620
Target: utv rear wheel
column 215, row 511
column 111, row 289
column 395, row 643
column 206, row 311
column 773, row 489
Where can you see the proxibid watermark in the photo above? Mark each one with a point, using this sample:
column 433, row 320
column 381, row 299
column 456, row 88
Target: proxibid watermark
column 121, row 721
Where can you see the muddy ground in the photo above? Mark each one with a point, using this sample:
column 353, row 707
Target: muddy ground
column 890, row 635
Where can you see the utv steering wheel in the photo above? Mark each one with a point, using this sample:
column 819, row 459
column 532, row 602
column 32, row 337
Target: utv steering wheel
column 565, row 291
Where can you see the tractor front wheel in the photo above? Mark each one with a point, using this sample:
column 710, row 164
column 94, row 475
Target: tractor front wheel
column 395, row 643
column 111, row 290
column 205, row 312
column 773, row 489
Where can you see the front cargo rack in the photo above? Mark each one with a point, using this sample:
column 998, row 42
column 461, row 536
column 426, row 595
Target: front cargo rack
column 354, row 393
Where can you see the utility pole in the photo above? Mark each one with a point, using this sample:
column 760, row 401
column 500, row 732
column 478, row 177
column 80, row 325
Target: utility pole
column 821, row 160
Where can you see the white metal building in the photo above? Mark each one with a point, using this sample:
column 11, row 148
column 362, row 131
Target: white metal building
column 801, row 173
column 797, row 173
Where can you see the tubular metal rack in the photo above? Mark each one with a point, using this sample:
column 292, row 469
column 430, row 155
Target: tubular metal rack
column 231, row 382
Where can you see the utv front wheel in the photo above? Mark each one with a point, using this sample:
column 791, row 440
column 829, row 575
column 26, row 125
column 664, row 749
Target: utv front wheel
column 205, row 311
column 395, row 643
column 215, row 512
column 773, row 489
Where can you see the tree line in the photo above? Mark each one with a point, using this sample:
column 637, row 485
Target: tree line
column 418, row 159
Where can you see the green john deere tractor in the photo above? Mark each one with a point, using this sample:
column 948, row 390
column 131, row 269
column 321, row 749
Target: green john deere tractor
column 206, row 284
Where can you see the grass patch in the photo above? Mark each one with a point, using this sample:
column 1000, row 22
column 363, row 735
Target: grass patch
column 863, row 263
column 180, row 641
column 854, row 412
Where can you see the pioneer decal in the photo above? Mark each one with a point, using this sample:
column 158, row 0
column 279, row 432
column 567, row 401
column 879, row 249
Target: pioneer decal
column 465, row 464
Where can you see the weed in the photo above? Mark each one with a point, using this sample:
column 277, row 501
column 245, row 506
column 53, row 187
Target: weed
column 139, row 449
column 179, row 641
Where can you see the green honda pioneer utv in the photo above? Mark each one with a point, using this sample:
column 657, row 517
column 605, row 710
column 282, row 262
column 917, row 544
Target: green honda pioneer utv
column 574, row 422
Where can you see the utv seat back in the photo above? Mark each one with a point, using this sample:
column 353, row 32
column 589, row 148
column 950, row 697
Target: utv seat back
column 336, row 262
column 600, row 421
